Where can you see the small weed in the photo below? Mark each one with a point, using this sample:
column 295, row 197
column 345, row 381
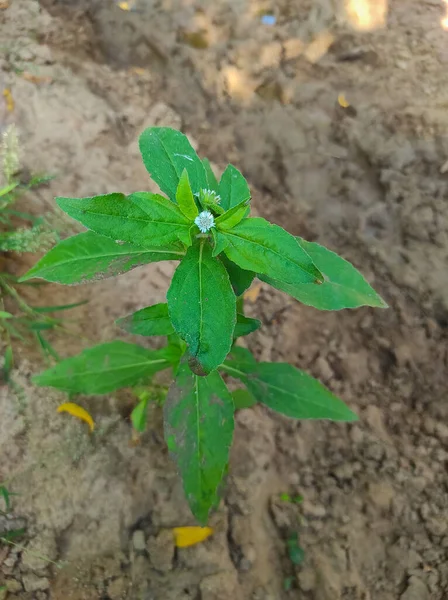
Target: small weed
column 205, row 225
column 6, row 495
column 21, row 232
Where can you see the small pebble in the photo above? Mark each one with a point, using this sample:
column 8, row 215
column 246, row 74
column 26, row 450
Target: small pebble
column 138, row 541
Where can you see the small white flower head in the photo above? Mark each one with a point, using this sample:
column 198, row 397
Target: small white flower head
column 208, row 197
column 205, row 221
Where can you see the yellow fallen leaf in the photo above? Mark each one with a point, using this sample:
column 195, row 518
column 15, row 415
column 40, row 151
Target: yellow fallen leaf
column 252, row 293
column 189, row 536
column 342, row 101
column 124, row 6
column 77, row 411
column 8, row 99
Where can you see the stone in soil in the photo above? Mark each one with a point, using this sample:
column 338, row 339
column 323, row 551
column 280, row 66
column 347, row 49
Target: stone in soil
column 34, row 583
column 138, row 541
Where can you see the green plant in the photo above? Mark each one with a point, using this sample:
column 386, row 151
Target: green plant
column 16, row 237
column 206, row 226
column 5, row 494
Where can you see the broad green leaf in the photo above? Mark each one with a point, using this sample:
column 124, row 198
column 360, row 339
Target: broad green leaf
column 243, row 399
column 239, row 278
column 232, row 217
column 289, row 391
column 245, row 325
column 112, row 215
column 211, row 177
column 142, row 218
column 242, row 355
column 220, row 242
column 233, row 188
column 105, row 368
column 198, row 416
column 152, row 320
column 139, row 415
column 88, row 257
column 257, row 245
column 167, row 220
column 343, row 286
column 5, row 315
column 202, row 307
column 166, row 153
column 184, row 197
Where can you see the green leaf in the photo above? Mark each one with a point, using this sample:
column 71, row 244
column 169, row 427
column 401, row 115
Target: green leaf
column 233, row 188
column 166, row 153
column 105, row 368
column 57, row 308
column 89, row 257
column 5, row 315
column 220, row 242
column 232, row 217
column 257, row 245
column 243, row 399
column 202, row 307
column 240, row 279
column 245, row 325
column 288, row 391
column 142, row 218
column 295, row 552
column 243, row 355
column 168, row 221
column 198, row 416
column 152, row 320
column 112, row 215
column 212, row 182
column 139, row 415
column 184, row 197
column 43, row 325
column 45, row 345
column 343, row 286
column 8, row 188
column 12, row 535
column 4, row 493
column 8, row 363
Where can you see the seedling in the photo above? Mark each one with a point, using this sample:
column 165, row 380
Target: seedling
column 205, row 225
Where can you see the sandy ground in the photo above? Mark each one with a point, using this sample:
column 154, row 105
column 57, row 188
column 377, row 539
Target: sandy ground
column 370, row 181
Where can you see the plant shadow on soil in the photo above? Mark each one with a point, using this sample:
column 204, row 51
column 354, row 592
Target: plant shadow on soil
column 368, row 182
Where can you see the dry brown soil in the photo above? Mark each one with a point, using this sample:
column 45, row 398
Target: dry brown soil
column 369, row 180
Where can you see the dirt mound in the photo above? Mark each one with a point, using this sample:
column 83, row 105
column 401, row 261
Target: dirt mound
column 369, row 180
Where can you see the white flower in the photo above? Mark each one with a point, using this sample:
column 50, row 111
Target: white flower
column 205, row 221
